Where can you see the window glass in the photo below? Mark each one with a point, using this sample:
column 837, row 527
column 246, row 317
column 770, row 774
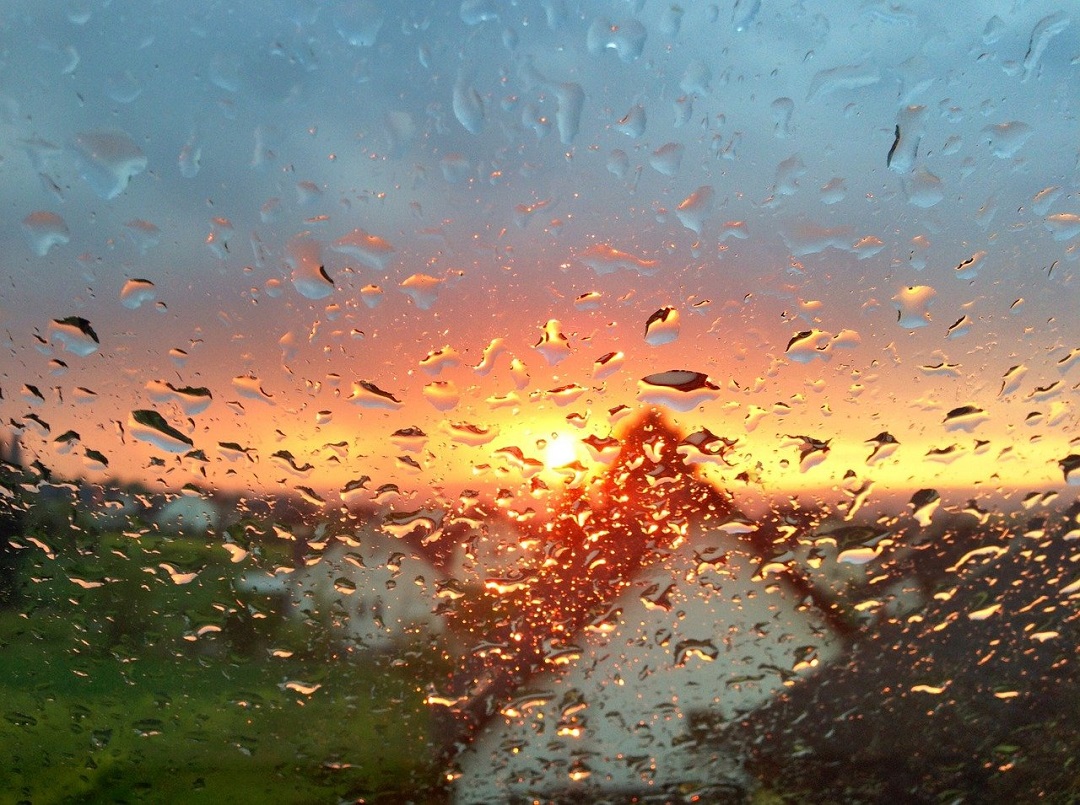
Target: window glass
column 556, row 400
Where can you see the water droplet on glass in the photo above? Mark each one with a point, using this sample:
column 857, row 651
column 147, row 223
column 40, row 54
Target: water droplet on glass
column 475, row 12
column 309, row 277
column 358, row 21
column 108, row 160
column 422, row 289
column 1045, row 30
column 368, row 395
column 1005, row 139
column 626, row 38
column 662, row 327
column 43, row 230
column 75, row 335
column 1063, row 225
column 371, row 250
column 553, row 345
column 678, row 389
column 695, row 208
column 667, row 158
column 632, row 124
column 443, row 394
column 468, row 105
column 143, row 234
column 913, row 306
column 149, row 426
column 965, row 418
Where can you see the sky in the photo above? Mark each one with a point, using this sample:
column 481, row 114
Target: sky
column 284, row 232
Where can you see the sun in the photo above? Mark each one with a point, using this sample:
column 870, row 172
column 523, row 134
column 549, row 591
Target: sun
column 560, row 451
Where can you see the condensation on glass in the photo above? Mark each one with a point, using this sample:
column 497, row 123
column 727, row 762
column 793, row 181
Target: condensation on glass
column 553, row 400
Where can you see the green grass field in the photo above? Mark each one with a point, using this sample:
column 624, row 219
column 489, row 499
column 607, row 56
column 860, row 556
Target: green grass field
column 111, row 694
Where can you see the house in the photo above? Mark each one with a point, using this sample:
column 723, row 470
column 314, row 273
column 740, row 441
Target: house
column 191, row 514
column 647, row 615
column 700, row 634
column 370, row 589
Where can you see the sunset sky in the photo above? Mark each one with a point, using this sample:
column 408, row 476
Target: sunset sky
column 853, row 220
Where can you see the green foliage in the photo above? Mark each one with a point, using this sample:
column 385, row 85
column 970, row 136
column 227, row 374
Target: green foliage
column 122, row 677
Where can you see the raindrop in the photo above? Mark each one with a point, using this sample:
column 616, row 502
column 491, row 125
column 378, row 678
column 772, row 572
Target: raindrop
column 571, row 101
column 443, row 394
column 437, row 360
column 371, row 250
column 667, row 158
column 1063, row 225
column 603, row 258
column 632, row 124
column 1045, row 198
column 671, row 20
column 553, row 345
column 842, row 78
column 492, row 351
column 1070, row 467
column 969, row 268
column 1006, row 139
column 371, row 295
column 678, row 389
column 695, row 208
column 684, row 110
column 608, row 364
column 618, row 163
column 885, row 445
column 190, row 159
column 696, row 79
column 74, row 334
column 965, row 418
column 192, row 400
column 475, row 12
column 1045, row 30
column 136, row 292
column 705, row 447
column 912, row 304
column 811, row 451
column 143, row 234
column 108, row 160
column 564, row 395
column 960, row 327
column 743, row 14
column 528, row 467
column 704, row 650
column 218, row 240
column 368, row 395
column 150, row 426
column 923, row 504
column 455, row 168
column 422, row 289
column 924, row 189
column 788, row 173
column 833, row 191
column 250, row 387
column 123, row 87
column 358, row 22
column 1011, row 380
column 662, row 327
column 309, row 277
column 468, row 106
column 627, row 38
column 808, row 345
column 43, row 230
column 782, row 110
column 910, row 123
column 602, row 449
column 469, row 434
